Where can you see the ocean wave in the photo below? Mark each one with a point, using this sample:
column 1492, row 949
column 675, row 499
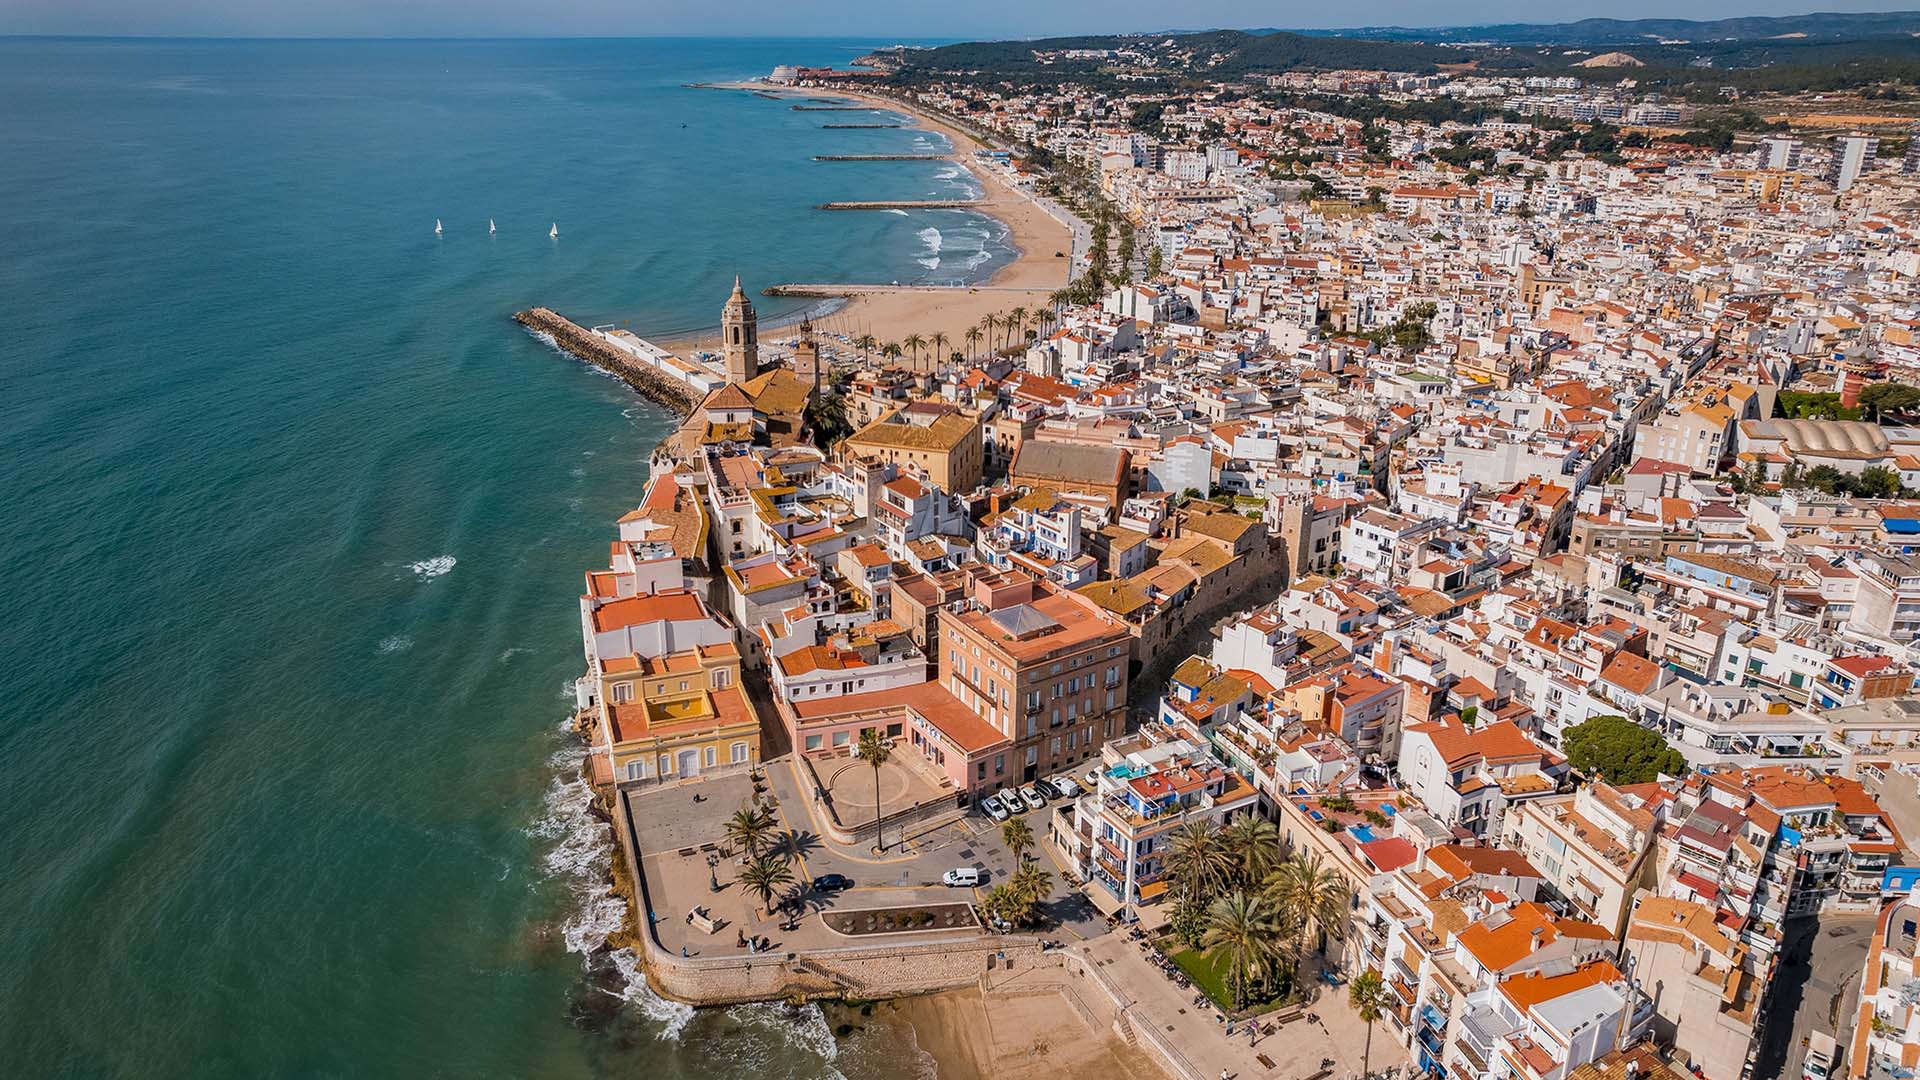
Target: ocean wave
column 902, row 213
column 513, row 651
column 397, row 643
column 428, row 569
column 801, row 1028
column 931, row 237
column 672, row 1016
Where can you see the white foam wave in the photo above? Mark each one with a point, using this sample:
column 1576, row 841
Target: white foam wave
column 394, row 644
column 428, row 569
column 512, row 651
column 902, row 213
column 672, row 1016
column 930, row 236
column 803, row 1028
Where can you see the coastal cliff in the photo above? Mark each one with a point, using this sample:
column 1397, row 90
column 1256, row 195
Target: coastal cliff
column 593, row 349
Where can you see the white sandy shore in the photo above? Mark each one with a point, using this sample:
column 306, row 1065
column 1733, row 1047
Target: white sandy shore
column 1042, row 265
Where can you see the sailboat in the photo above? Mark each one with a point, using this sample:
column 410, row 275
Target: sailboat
column 554, row 232
column 489, row 226
column 436, row 226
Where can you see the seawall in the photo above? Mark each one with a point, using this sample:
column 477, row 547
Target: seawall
column 584, row 345
column 850, row 971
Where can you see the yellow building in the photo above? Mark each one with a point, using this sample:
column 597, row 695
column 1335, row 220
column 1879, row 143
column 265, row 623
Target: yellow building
column 674, row 717
column 942, row 441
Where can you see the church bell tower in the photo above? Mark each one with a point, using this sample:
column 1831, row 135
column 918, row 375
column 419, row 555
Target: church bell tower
column 739, row 329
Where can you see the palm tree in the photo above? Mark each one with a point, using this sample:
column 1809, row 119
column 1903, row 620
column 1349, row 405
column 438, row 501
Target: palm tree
column 1018, row 836
column 1367, row 994
column 1255, row 844
column 764, row 876
column 1032, row 882
column 1016, row 319
column 1199, row 862
column 914, row 342
column 748, row 828
column 992, row 323
column 1242, row 924
column 891, row 350
column 973, row 339
column 874, row 749
column 939, row 342
column 1309, row 893
column 865, row 341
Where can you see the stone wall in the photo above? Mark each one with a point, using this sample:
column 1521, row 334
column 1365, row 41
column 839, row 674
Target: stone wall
column 591, row 348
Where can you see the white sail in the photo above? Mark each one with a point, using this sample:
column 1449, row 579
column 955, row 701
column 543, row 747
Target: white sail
column 490, row 227
column 554, row 232
column 436, row 226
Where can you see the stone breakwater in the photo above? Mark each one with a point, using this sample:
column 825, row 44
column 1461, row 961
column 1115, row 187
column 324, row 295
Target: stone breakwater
column 589, row 347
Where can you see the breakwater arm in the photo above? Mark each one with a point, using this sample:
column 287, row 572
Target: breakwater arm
column 585, row 345
column 881, row 157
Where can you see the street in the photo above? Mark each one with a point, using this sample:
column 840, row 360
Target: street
column 1818, row 982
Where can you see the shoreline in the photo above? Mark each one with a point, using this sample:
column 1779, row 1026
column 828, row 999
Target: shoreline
column 1042, row 249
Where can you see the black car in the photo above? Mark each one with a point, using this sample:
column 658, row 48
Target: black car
column 832, row 883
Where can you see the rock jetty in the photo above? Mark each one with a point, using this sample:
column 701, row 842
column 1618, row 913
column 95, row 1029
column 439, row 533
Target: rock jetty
column 590, row 347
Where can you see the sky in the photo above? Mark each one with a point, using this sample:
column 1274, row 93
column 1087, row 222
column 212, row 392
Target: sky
column 902, row 19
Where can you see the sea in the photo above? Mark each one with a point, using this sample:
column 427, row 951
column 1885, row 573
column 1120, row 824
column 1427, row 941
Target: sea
column 293, row 520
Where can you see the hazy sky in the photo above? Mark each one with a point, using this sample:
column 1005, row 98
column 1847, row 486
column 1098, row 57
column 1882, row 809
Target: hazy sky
column 865, row 18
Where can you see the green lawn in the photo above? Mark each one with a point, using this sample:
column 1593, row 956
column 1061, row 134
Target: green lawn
column 1209, row 971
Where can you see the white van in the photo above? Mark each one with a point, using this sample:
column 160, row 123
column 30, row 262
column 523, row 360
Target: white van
column 961, row 877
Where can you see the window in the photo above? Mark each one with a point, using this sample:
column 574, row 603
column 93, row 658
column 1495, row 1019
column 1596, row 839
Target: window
column 841, row 738
column 683, row 686
column 666, row 764
column 738, row 754
column 621, row 693
column 637, row 769
column 722, row 678
column 710, row 756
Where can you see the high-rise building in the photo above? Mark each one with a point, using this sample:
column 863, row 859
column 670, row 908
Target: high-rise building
column 1779, row 152
column 1852, row 155
column 740, row 332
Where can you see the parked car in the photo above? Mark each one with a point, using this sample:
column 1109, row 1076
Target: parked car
column 832, row 883
column 961, row 877
column 992, row 807
column 1091, row 778
column 1065, row 786
column 1032, row 797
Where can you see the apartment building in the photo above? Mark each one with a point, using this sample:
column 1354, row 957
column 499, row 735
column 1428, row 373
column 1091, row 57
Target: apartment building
column 1044, row 667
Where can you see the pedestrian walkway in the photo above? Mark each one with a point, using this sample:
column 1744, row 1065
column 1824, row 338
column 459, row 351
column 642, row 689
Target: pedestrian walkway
column 1295, row 1051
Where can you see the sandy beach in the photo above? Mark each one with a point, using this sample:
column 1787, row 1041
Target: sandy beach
column 1043, row 263
column 999, row 1036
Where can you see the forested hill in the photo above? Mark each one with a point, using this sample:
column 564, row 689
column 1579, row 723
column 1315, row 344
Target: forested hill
column 1224, row 52
column 1817, row 26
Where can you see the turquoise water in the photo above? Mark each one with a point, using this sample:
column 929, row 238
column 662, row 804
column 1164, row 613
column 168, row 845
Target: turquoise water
column 294, row 522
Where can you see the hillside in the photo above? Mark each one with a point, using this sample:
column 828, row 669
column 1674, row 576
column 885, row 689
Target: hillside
column 1818, row 26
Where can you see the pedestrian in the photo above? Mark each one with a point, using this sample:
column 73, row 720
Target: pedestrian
column 683, row 956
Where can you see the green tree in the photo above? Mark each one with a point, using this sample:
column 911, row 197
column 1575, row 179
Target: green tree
column 1882, row 398
column 1243, row 926
column 1308, row 894
column 1368, row 995
column 764, row 876
column 1622, row 751
column 1155, row 261
column 1825, row 478
column 1017, row 835
column 1255, row 845
column 891, row 350
column 1032, row 881
column 748, row 828
column 914, row 343
column 875, row 749
column 1877, row 482
column 1126, row 253
column 1199, row 861
column 866, row 343
column 1188, row 921
column 827, row 416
